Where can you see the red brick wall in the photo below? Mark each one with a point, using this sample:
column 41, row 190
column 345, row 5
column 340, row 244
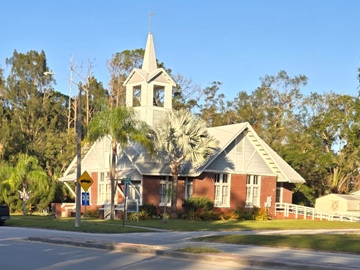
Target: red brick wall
column 94, row 189
column 204, row 186
column 268, row 188
column 151, row 190
column 151, row 185
column 287, row 193
column 238, row 191
column 180, row 193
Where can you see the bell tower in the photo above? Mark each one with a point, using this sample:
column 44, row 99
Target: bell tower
column 149, row 89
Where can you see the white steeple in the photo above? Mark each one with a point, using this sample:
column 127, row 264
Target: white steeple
column 149, row 62
column 149, row 89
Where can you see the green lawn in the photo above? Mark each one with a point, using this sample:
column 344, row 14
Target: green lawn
column 116, row 226
column 225, row 225
column 68, row 224
column 321, row 242
column 336, row 243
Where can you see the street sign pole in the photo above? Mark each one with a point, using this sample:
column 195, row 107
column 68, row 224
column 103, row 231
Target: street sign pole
column 124, row 212
column 85, row 215
column 78, row 160
column 126, row 183
column 85, row 200
column 85, row 181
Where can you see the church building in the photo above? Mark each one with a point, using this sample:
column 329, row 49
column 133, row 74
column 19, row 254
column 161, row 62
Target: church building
column 244, row 173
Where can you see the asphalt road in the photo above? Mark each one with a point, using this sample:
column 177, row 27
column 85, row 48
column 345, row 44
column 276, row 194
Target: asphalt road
column 167, row 242
column 18, row 254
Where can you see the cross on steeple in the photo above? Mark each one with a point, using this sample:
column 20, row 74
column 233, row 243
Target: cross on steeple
column 150, row 21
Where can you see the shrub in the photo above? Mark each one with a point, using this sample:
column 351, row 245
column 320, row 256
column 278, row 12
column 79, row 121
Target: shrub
column 94, row 213
column 150, row 209
column 245, row 214
column 253, row 213
column 229, row 215
column 192, row 215
column 196, row 203
column 214, row 214
column 144, row 215
column 132, row 216
column 261, row 214
column 200, row 208
column 141, row 215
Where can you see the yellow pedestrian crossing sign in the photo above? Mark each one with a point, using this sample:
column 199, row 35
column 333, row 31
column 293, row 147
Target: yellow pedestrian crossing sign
column 85, row 181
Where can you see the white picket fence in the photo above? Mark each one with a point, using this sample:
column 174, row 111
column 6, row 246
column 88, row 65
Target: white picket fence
column 305, row 212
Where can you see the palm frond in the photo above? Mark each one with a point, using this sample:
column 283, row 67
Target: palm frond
column 183, row 137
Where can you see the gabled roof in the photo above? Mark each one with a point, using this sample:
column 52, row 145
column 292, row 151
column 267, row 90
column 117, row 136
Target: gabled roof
column 93, row 158
column 225, row 135
column 148, row 77
column 149, row 70
column 346, row 197
column 286, row 170
column 228, row 133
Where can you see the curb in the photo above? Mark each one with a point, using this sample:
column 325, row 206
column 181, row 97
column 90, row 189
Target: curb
column 236, row 259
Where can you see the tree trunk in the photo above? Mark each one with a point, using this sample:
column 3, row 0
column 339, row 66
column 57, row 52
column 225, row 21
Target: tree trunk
column 24, row 207
column 112, row 179
column 174, row 167
column 173, row 212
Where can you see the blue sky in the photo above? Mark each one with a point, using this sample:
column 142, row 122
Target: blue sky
column 232, row 41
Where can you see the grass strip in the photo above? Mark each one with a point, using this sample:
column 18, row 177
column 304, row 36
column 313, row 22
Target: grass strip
column 348, row 243
column 68, row 224
column 198, row 250
column 115, row 226
column 244, row 225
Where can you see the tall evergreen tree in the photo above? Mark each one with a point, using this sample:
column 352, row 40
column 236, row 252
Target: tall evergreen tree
column 37, row 115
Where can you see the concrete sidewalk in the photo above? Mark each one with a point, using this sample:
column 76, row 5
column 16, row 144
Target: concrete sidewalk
column 165, row 243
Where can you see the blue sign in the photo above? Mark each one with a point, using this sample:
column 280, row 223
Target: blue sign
column 85, row 198
column 127, row 180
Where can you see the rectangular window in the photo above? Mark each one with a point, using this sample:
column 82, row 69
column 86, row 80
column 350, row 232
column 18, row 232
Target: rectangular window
column 278, row 194
column 104, row 188
column 252, row 191
column 188, row 188
column 164, row 191
column 222, row 188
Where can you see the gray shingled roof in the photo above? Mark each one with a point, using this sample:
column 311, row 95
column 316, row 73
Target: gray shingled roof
column 225, row 135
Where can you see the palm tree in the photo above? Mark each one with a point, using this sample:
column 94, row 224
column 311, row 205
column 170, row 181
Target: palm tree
column 123, row 127
column 26, row 177
column 181, row 138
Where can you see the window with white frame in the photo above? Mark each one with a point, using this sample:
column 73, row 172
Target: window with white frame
column 104, row 187
column 188, row 188
column 164, row 190
column 279, row 194
column 222, row 190
column 252, row 191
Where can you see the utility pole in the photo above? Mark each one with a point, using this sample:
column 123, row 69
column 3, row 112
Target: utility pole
column 78, row 159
